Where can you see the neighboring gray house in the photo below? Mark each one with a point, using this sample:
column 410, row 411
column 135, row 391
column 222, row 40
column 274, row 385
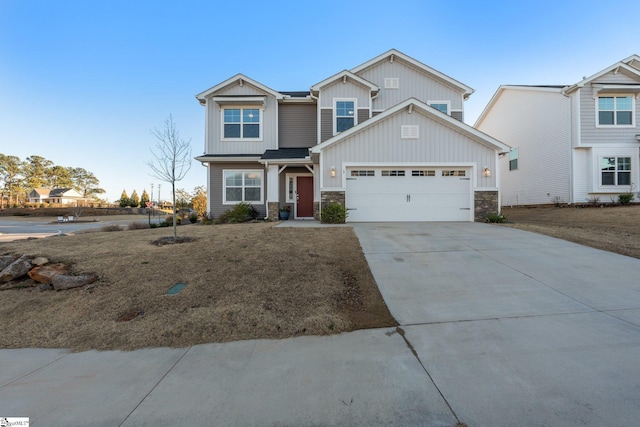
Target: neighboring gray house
column 570, row 143
column 386, row 139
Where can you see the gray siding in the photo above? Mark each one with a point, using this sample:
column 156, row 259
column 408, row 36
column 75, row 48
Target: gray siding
column 590, row 134
column 297, row 125
column 412, row 83
column 326, row 124
column 349, row 90
column 215, row 185
column 215, row 145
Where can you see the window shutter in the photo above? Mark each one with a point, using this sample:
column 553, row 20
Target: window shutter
column 409, row 132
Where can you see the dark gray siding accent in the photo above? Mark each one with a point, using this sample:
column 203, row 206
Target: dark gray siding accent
column 457, row 115
column 326, row 124
column 217, row 207
column 363, row 115
column 297, row 127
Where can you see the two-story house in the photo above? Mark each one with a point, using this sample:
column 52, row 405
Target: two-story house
column 570, row 143
column 385, row 139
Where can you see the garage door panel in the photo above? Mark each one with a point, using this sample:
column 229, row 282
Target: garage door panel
column 409, row 198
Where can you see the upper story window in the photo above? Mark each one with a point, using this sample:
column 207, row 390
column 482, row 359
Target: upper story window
column 345, row 115
column 442, row 106
column 615, row 170
column 241, row 123
column 615, row 110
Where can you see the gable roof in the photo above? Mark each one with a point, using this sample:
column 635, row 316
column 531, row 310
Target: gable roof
column 60, row 192
column 202, row 96
column 392, row 54
column 344, row 75
column 496, row 96
column 630, row 64
column 41, row 191
column 415, row 105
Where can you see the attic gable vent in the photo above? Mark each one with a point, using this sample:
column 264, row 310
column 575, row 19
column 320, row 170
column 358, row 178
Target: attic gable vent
column 391, row 83
column 409, row 132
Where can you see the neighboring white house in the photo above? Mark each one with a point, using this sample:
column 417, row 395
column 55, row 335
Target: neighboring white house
column 58, row 196
column 386, row 139
column 572, row 143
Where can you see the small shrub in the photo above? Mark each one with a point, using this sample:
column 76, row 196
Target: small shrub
column 593, row 201
column 112, row 227
column 153, row 225
column 495, row 218
column 193, row 218
column 334, row 213
column 625, row 199
column 242, row 212
column 137, row 225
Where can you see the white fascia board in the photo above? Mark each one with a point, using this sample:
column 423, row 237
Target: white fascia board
column 466, row 89
column 203, row 95
column 210, row 159
column 430, row 112
column 584, row 81
column 305, row 161
column 502, row 89
column 342, row 74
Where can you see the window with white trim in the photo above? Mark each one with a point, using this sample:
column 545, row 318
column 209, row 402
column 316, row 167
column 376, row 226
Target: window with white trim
column 615, row 110
column 409, row 132
column 513, row 159
column 442, row 106
column 454, row 173
column 241, row 123
column 615, row 171
column 393, row 173
column 363, row 173
column 242, row 186
column 423, row 173
column 345, row 115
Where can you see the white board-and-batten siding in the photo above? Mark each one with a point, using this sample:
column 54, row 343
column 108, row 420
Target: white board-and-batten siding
column 381, row 144
column 536, row 121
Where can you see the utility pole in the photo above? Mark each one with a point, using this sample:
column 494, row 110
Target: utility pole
column 159, row 199
column 151, row 193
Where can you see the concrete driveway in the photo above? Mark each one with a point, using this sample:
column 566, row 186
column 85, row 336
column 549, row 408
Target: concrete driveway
column 514, row 328
column 499, row 328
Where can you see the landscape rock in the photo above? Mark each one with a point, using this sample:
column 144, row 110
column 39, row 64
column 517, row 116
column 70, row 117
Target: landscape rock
column 16, row 269
column 64, row 281
column 18, row 284
column 40, row 261
column 46, row 273
column 5, row 260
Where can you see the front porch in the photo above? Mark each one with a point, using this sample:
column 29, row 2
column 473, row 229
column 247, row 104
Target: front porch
column 290, row 183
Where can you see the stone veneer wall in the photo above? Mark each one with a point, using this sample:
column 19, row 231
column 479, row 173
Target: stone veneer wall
column 486, row 202
column 273, row 210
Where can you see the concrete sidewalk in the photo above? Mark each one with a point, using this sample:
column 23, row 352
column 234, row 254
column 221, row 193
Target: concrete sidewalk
column 500, row 327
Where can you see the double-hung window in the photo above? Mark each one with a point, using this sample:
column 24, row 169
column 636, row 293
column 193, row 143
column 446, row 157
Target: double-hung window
column 241, row 123
column 615, row 110
column 345, row 115
column 615, row 170
column 242, row 186
column 513, row 159
column 442, row 106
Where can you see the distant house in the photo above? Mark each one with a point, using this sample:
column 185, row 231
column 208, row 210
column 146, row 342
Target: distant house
column 38, row 195
column 58, row 196
column 570, row 143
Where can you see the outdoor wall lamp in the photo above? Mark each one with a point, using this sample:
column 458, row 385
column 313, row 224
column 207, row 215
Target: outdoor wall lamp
column 333, row 171
column 486, row 172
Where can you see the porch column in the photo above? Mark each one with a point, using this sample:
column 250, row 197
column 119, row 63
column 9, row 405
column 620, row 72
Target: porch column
column 316, row 191
column 273, row 192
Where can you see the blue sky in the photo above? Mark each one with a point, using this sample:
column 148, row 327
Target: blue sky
column 83, row 82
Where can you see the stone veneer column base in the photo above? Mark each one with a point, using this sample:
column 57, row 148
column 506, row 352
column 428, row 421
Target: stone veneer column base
column 316, row 210
column 273, row 209
column 329, row 197
column 486, row 202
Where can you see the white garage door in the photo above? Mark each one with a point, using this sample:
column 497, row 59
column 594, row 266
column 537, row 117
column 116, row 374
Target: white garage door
column 408, row 194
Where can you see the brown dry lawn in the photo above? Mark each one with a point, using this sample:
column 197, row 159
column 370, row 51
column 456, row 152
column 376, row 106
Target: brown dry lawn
column 244, row 281
column 615, row 229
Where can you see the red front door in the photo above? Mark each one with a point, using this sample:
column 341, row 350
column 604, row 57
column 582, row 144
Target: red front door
column 304, row 204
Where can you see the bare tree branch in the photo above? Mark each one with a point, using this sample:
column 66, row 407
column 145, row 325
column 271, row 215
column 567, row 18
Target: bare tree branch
column 171, row 159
